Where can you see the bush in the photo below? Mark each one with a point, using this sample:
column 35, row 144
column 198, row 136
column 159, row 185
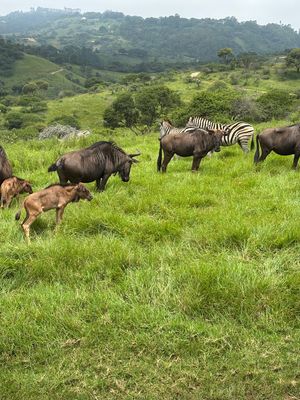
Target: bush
column 3, row 109
column 70, row 120
column 275, row 104
column 14, row 120
column 216, row 105
column 247, row 109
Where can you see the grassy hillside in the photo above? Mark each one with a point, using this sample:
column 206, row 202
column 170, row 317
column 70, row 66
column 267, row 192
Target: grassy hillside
column 32, row 68
column 173, row 286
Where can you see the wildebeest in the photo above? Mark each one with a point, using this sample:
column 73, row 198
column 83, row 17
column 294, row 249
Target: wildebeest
column 5, row 167
column 54, row 196
column 196, row 142
column 11, row 188
column 95, row 163
column 284, row 141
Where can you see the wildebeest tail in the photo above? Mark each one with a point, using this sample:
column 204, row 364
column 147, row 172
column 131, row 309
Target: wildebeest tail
column 159, row 157
column 252, row 143
column 52, row 167
column 256, row 155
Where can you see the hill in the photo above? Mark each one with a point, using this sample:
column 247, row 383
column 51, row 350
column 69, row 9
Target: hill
column 129, row 43
column 31, row 68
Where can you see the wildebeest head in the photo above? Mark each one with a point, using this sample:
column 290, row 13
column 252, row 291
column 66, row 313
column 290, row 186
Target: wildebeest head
column 83, row 193
column 125, row 168
column 26, row 187
column 217, row 135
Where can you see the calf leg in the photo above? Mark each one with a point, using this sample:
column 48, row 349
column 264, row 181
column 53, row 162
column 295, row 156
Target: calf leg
column 167, row 159
column 59, row 215
column 29, row 219
column 8, row 200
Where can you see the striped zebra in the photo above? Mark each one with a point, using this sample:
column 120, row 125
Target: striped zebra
column 167, row 128
column 238, row 132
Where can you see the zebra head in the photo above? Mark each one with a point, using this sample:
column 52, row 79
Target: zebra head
column 164, row 127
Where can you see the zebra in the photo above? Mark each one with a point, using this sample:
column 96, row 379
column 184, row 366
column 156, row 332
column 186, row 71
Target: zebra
column 238, row 132
column 166, row 127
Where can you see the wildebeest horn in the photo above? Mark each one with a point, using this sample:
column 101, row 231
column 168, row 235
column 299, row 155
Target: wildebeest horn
column 134, row 155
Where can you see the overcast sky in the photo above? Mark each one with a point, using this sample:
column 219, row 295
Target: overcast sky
column 263, row 11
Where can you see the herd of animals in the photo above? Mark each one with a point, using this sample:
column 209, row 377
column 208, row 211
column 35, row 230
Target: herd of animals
column 103, row 159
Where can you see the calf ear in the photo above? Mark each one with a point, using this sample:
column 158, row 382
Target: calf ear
column 134, row 161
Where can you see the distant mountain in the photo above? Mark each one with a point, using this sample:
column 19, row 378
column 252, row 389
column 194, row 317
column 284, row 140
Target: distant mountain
column 116, row 41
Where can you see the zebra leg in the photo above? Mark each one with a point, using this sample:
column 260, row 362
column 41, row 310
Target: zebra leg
column 244, row 145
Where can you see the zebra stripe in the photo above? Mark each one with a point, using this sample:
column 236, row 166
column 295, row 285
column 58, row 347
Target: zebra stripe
column 238, row 132
column 167, row 128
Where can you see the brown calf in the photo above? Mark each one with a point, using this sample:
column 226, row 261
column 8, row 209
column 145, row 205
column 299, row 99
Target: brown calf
column 54, row 196
column 11, row 188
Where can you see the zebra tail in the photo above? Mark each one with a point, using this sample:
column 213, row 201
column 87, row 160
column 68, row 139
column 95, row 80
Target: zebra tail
column 159, row 157
column 256, row 155
column 252, row 142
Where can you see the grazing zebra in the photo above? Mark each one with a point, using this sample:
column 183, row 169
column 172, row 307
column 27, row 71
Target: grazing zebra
column 238, row 132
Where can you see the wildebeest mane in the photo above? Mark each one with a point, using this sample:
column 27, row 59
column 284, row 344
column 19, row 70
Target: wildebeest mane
column 115, row 155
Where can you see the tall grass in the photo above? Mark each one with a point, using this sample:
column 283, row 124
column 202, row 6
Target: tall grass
column 174, row 286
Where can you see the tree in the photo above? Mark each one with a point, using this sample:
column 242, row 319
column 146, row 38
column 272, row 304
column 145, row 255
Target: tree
column 293, row 59
column 30, row 87
column 153, row 102
column 122, row 112
column 226, row 54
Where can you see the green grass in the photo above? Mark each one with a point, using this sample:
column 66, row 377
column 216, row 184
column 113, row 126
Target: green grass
column 175, row 286
column 31, row 68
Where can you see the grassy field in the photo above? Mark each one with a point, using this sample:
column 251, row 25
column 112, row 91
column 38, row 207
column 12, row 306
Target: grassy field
column 175, row 286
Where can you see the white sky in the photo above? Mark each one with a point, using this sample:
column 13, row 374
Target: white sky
column 262, row 11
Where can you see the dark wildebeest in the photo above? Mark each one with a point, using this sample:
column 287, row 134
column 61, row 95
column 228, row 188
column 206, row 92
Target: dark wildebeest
column 11, row 188
column 284, row 141
column 95, row 163
column 196, row 142
column 54, row 196
column 5, row 167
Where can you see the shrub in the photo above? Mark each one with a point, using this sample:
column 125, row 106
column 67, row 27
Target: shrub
column 216, row 105
column 3, row 109
column 14, row 120
column 275, row 104
column 70, row 120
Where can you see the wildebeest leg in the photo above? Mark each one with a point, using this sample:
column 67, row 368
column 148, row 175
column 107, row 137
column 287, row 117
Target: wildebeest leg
column 59, row 215
column 264, row 154
column 167, row 159
column 62, row 178
column 196, row 162
column 296, row 158
column 103, row 181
